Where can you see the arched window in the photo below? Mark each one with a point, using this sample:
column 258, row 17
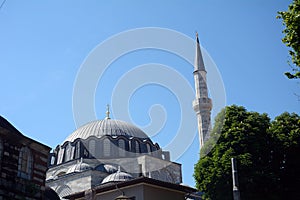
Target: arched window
column 1, row 148
column 69, row 152
column 148, row 148
column 1, row 151
column 121, row 147
column 106, row 147
column 92, row 148
column 77, row 151
column 137, row 147
column 60, row 156
column 25, row 163
column 52, row 159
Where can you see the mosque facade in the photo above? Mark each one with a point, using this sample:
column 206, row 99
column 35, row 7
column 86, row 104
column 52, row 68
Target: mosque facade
column 106, row 151
column 105, row 158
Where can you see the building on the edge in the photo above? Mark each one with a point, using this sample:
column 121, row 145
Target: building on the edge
column 105, row 152
column 111, row 159
column 141, row 188
column 202, row 104
column 23, row 165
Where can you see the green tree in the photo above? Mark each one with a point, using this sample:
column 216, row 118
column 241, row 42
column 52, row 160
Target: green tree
column 285, row 144
column 214, row 134
column 267, row 154
column 243, row 135
column 291, row 20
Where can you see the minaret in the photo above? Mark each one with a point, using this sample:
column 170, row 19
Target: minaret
column 202, row 104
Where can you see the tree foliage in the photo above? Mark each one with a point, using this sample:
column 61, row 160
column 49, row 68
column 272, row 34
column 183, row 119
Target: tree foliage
column 267, row 154
column 291, row 20
column 285, row 142
column 214, row 134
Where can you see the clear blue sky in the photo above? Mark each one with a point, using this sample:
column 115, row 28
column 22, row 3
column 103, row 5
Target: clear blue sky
column 44, row 43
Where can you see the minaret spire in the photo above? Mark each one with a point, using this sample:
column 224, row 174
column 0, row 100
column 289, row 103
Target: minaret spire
column 202, row 104
column 199, row 64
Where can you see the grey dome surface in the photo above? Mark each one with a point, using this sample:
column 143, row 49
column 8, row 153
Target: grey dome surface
column 110, row 127
column 116, row 177
column 79, row 167
column 106, row 168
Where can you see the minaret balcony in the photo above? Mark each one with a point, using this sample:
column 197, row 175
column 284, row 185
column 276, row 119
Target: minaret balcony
column 201, row 104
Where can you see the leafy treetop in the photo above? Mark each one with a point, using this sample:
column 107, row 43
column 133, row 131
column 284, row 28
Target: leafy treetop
column 267, row 154
column 291, row 20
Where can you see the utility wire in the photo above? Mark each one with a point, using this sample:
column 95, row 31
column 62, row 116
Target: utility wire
column 3, row 2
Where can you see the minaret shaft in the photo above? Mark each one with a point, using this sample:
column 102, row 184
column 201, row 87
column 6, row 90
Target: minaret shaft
column 202, row 104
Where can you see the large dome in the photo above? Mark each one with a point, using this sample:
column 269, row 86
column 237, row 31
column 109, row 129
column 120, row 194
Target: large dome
column 110, row 127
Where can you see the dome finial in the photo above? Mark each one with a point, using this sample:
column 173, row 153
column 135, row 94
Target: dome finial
column 107, row 112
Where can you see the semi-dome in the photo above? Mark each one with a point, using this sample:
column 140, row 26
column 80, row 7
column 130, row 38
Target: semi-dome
column 79, row 167
column 117, row 177
column 106, row 168
column 104, row 127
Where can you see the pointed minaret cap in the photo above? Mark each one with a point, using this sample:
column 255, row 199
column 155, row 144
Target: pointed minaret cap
column 199, row 64
column 107, row 112
column 197, row 38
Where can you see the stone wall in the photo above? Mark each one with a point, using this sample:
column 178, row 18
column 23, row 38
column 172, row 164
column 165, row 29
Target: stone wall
column 17, row 182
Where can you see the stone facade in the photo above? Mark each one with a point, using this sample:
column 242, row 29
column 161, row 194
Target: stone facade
column 23, row 164
column 107, row 150
column 141, row 188
column 65, row 181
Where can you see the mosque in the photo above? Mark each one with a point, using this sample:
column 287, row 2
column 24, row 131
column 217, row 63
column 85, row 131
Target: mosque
column 112, row 159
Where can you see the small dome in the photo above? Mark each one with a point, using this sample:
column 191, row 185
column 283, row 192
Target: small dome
column 106, row 168
column 79, row 167
column 51, row 178
column 108, row 126
column 116, row 177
